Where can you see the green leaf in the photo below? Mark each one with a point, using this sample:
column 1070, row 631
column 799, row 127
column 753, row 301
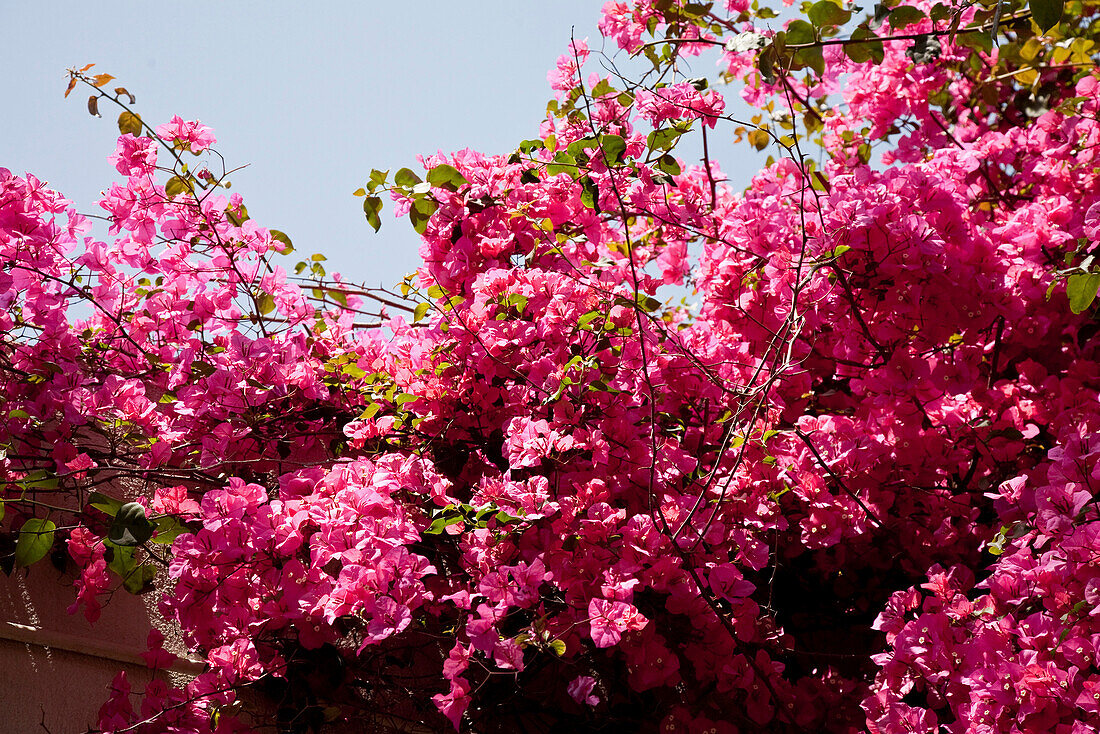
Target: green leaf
column 558, row 647
column 515, row 301
column 588, row 318
column 377, row 178
column 280, row 237
column 483, row 515
column 421, row 311
column 590, row 195
column 1046, row 13
column 103, row 503
column 826, row 13
column 406, row 178
column 1081, row 289
column 130, row 526
column 372, row 205
column 904, row 15
column 38, row 480
column 939, row 12
column 203, row 369
column 446, row 177
column 614, row 147
column 870, row 50
column 976, row 41
column 441, row 523
column 128, row 122
column 812, row 57
column 338, row 295
column 527, row 146
column 137, row 578
column 504, row 518
column 563, row 163
column 354, row 371
column 35, row 540
column 237, row 218
column 767, row 59
column 663, row 139
column 603, row 87
column 168, row 529
column 421, row 212
column 799, row 32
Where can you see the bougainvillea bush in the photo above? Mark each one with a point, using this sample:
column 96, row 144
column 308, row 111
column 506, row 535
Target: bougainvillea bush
column 632, row 450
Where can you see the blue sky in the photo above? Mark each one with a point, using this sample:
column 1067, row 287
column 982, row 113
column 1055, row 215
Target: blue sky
column 311, row 96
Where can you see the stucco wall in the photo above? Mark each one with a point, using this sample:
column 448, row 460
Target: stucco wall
column 55, row 669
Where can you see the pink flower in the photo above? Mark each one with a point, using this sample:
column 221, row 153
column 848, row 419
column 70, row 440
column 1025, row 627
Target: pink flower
column 174, row 501
column 680, row 101
column 191, row 135
column 580, row 688
column 624, row 23
column 566, row 74
column 156, row 657
column 454, row 703
column 134, row 156
column 237, row 661
column 609, row 619
column 79, row 465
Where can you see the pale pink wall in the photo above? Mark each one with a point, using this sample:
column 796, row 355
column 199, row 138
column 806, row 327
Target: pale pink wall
column 55, row 669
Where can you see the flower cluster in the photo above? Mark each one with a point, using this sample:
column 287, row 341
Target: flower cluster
column 848, row 488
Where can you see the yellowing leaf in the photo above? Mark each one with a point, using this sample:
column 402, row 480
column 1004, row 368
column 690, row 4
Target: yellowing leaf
column 265, row 303
column 128, row 122
column 175, row 186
